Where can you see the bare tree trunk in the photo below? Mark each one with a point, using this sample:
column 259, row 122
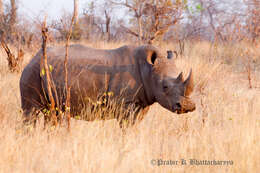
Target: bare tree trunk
column 14, row 64
column 67, row 88
column 1, row 13
column 140, row 30
column 13, row 12
column 108, row 20
column 13, row 18
column 44, row 65
column 1, row 8
column 76, row 14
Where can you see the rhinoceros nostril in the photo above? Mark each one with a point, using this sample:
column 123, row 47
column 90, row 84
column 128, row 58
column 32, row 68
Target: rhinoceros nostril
column 177, row 107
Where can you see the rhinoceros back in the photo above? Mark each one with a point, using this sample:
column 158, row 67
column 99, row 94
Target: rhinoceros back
column 91, row 72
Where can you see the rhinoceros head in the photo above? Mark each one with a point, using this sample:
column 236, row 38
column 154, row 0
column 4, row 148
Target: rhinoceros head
column 173, row 93
column 168, row 87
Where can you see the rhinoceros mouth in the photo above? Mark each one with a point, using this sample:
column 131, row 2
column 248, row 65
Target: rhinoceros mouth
column 185, row 106
column 184, row 111
column 181, row 112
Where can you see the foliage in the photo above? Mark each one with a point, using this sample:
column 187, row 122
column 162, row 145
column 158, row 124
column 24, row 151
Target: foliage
column 226, row 121
column 152, row 19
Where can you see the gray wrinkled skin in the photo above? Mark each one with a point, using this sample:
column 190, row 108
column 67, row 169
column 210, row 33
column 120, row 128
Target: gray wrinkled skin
column 140, row 75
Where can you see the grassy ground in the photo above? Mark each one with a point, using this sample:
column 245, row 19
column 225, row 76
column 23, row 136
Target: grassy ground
column 225, row 125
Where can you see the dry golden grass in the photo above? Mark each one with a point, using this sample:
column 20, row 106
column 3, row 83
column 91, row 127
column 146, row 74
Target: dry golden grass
column 225, row 126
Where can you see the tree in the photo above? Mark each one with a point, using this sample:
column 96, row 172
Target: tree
column 253, row 20
column 108, row 21
column 106, row 9
column 1, row 8
column 76, row 32
column 75, row 12
column 13, row 16
column 1, row 14
column 159, row 16
column 135, row 7
column 152, row 18
column 92, row 22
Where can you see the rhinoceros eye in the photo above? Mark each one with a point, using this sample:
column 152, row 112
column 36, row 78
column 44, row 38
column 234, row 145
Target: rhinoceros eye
column 165, row 87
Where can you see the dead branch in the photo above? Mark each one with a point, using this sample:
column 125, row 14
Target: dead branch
column 248, row 69
column 108, row 21
column 14, row 64
column 153, row 18
column 127, row 30
column 44, row 65
column 137, row 9
column 67, row 89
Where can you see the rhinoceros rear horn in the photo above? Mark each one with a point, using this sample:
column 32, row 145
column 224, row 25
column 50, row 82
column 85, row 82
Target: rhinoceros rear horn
column 180, row 77
column 188, row 84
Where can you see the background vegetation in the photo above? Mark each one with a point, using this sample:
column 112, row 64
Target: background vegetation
column 219, row 42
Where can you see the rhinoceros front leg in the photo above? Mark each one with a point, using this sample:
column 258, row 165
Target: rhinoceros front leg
column 31, row 116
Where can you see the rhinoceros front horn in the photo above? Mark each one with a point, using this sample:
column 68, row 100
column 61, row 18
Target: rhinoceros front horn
column 188, row 84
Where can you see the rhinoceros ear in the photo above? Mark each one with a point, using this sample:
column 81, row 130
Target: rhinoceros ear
column 151, row 57
column 188, row 84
